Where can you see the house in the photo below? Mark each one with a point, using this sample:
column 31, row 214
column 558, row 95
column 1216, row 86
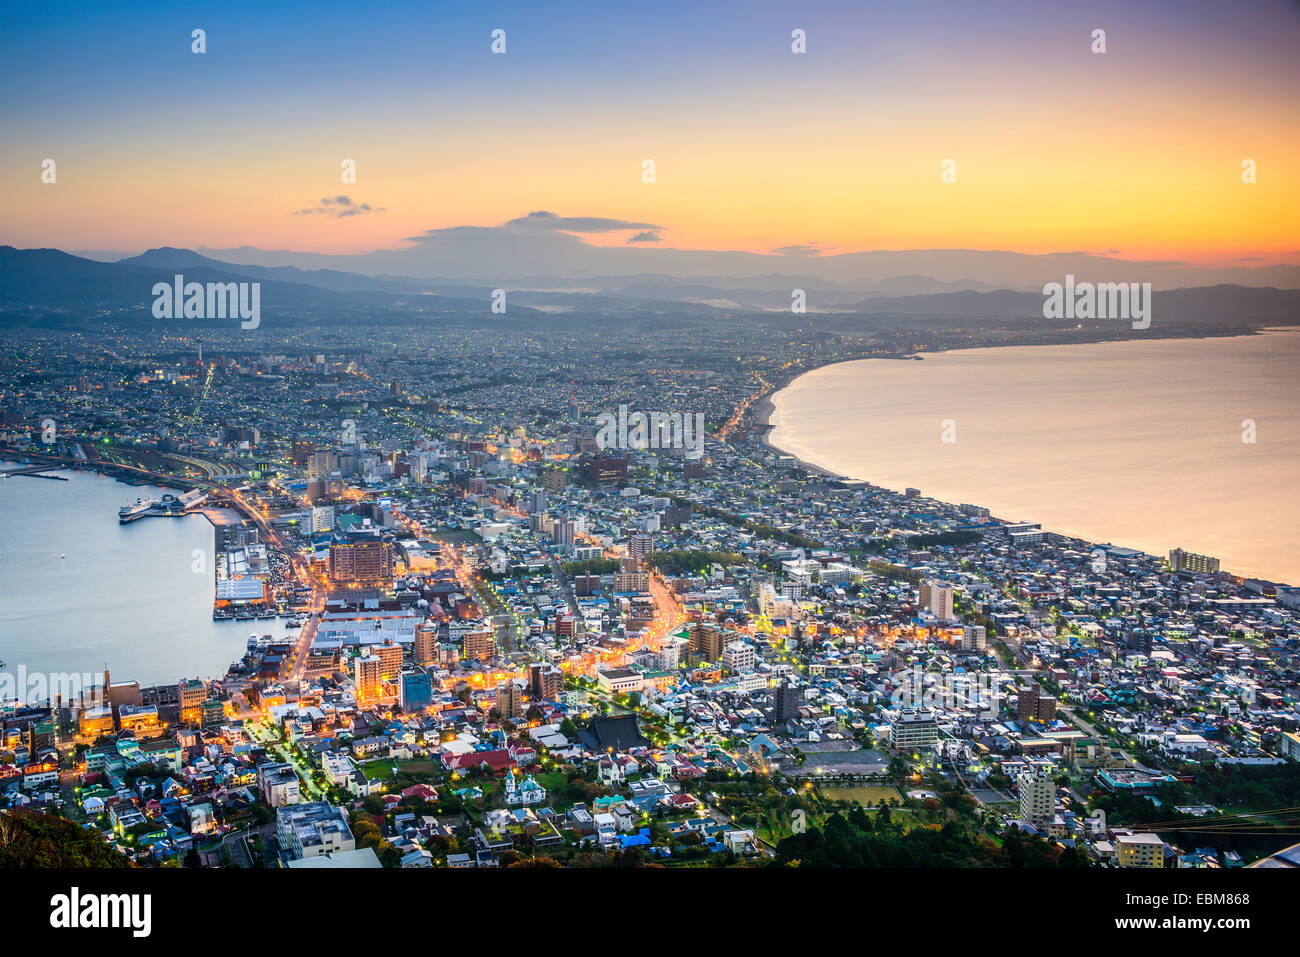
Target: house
column 606, row 829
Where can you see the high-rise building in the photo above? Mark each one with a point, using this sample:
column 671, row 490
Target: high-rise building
column 367, row 671
column 192, row 693
column 640, row 545
column 973, row 638
column 1037, row 798
column 1033, row 705
column 1181, row 561
column 913, row 730
column 707, row 641
column 390, row 655
column 480, row 643
column 562, row 532
column 321, row 463
column 425, row 648
column 510, row 699
column 936, row 597
column 372, row 561
column 414, row 689
column 1027, row 703
column 785, row 703
column 212, row 714
column 322, row 518
column 544, row 681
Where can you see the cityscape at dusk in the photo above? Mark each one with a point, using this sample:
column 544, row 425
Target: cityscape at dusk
column 502, row 437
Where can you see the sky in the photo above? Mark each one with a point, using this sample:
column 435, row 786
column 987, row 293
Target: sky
column 1136, row 152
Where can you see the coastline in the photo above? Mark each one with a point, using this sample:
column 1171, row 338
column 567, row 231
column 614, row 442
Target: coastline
column 208, row 514
column 763, row 408
column 764, row 425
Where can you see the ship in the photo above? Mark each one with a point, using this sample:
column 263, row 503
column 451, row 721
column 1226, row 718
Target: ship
column 129, row 513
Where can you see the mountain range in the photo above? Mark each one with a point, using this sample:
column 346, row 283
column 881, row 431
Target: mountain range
column 52, row 281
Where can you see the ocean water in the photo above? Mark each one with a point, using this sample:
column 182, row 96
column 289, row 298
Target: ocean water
column 1133, row 443
column 78, row 591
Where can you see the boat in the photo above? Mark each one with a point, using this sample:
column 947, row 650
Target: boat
column 129, row 513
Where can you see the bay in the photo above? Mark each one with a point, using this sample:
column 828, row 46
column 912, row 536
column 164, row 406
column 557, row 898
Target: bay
column 1133, row 443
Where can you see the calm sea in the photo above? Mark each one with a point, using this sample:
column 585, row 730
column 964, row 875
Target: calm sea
column 1138, row 444
column 78, row 590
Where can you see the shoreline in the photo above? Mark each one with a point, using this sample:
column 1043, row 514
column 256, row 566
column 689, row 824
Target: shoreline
column 207, row 513
column 764, row 411
column 763, row 408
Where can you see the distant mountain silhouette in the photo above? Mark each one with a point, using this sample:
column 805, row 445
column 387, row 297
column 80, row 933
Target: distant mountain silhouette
column 52, row 281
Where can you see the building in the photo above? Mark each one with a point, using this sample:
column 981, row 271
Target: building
column 620, row 680
column 739, row 656
column 138, row 717
column 914, row 730
column 192, row 693
column 414, row 689
column 640, row 545
column 510, row 699
column 1181, row 561
column 563, row 531
column 390, row 655
column 371, row 561
column 620, row 733
column 544, row 681
column 936, row 598
column 785, row 703
column 1037, row 798
column 480, row 644
column 707, row 641
column 973, row 638
column 1140, row 850
column 311, row 830
column 1033, row 705
column 367, row 675
column 212, row 714
column 603, row 470
column 424, row 650
column 636, row 583
column 1290, row 744
column 322, row 518
column 278, row 784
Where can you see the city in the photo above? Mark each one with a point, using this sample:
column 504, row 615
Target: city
column 481, row 639
column 767, row 447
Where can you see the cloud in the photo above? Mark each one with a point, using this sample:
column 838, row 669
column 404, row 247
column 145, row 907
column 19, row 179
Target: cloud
column 800, row 249
column 542, row 219
column 649, row 236
column 339, row 207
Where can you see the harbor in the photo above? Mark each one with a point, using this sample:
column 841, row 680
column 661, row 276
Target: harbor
column 168, row 506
